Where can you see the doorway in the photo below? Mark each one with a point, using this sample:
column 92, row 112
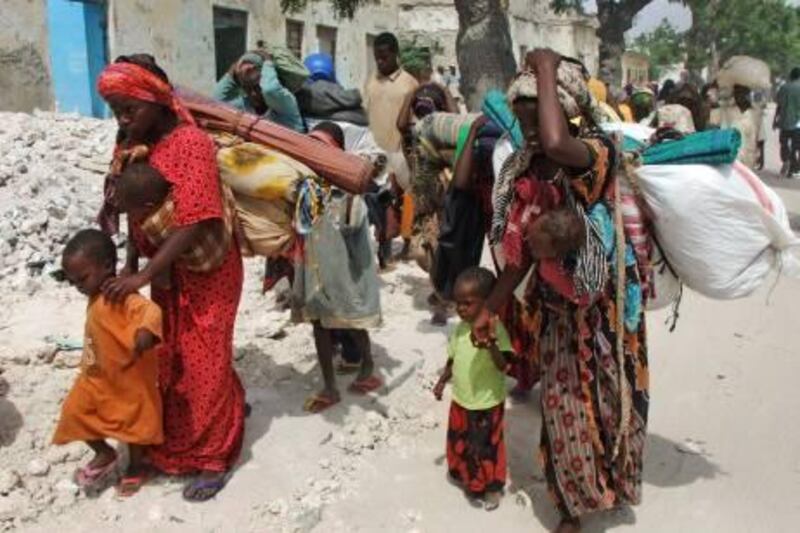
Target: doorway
column 78, row 53
column 230, row 37
column 326, row 36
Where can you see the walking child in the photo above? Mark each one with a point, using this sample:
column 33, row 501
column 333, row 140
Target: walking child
column 116, row 393
column 476, row 452
column 336, row 286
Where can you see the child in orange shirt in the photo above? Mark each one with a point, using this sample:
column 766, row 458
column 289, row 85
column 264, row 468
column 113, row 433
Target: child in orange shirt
column 116, row 393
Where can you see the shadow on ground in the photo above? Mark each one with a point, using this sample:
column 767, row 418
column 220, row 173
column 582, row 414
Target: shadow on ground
column 666, row 464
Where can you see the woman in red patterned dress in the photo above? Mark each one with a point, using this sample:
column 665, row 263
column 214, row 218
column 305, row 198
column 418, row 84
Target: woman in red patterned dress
column 591, row 346
column 204, row 406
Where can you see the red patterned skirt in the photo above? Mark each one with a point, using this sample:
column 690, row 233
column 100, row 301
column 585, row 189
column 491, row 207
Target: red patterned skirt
column 476, row 449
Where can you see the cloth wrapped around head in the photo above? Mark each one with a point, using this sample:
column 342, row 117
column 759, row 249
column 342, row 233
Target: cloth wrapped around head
column 642, row 96
column 133, row 81
column 571, row 83
column 254, row 58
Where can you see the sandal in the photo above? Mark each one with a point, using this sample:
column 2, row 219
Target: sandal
column 88, row 475
column 319, row 402
column 130, row 484
column 213, row 485
column 365, row 385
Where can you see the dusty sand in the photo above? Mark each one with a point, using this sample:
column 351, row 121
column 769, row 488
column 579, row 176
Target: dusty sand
column 722, row 449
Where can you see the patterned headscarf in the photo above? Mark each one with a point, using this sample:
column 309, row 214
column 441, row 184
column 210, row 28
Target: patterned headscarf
column 576, row 100
column 133, row 81
column 571, row 83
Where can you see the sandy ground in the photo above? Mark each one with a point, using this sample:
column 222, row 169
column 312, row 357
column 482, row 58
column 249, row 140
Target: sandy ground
column 722, row 450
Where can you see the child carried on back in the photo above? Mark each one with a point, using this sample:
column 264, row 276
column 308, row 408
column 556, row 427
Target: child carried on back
column 116, row 395
column 144, row 194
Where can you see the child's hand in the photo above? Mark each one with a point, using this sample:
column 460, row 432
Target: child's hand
column 485, row 344
column 143, row 341
column 438, row 390
column 484, row 329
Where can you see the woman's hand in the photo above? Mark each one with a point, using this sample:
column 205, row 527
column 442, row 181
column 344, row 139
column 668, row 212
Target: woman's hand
column 118, row 288
column 541, row 59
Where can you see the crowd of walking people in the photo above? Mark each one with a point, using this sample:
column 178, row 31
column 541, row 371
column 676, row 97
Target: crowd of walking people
column 534, row 173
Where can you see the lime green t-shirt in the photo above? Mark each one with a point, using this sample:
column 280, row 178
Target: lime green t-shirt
column 477, row 383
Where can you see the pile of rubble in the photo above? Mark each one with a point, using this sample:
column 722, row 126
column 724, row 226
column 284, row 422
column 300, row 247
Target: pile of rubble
column 51, row 177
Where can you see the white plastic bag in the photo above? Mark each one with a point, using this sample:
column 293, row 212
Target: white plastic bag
column 721, row 228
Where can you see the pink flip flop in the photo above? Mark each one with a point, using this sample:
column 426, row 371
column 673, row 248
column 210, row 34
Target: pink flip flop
column 88, row 476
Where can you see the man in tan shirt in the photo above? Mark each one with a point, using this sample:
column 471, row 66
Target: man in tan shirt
column 385, row 93
column 384, row 96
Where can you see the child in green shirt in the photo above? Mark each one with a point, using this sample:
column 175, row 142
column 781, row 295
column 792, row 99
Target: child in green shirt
column 476, row 452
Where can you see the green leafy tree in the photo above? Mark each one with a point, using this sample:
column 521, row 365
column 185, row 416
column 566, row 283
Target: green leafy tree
column 664, row 46
column 766, row 29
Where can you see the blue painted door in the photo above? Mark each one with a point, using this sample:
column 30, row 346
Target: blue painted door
column 78, row 53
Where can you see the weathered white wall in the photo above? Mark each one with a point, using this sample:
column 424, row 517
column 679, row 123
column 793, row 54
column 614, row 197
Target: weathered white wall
column 24, row 62
column 534, row 24
column 180, row 34
column 352, row 57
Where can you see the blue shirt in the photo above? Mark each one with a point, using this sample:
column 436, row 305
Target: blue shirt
column 283, row 108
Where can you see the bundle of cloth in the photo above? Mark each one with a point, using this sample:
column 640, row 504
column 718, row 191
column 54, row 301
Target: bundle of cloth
column 275, row 175
column 344, row 170
column 715, row 226
column 265, row 186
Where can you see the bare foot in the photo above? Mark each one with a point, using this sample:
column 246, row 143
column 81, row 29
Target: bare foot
column 492, row 500
column 569, row 525
column 102, row 458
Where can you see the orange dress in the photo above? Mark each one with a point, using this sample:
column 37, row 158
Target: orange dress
column 109, row 398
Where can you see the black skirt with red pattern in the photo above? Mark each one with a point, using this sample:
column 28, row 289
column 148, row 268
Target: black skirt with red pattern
column 476, row 450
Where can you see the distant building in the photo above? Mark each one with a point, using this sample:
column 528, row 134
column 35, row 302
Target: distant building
column 635, row 68
column 52, row 50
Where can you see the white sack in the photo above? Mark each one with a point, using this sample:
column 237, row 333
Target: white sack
column 721, row 228
column 667, row 287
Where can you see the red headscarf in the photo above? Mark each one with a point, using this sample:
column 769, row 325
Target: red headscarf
column 133, row 81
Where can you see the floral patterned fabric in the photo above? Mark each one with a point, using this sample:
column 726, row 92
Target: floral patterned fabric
column 580, row 378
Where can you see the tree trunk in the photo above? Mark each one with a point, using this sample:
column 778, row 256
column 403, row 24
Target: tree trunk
column 615, row 17
column 484, row 48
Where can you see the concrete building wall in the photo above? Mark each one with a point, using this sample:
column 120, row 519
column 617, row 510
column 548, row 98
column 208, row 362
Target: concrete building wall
column 181, row 34
column 534, row 24
column 635, row 68
column 431, row 22
column 24, row 63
